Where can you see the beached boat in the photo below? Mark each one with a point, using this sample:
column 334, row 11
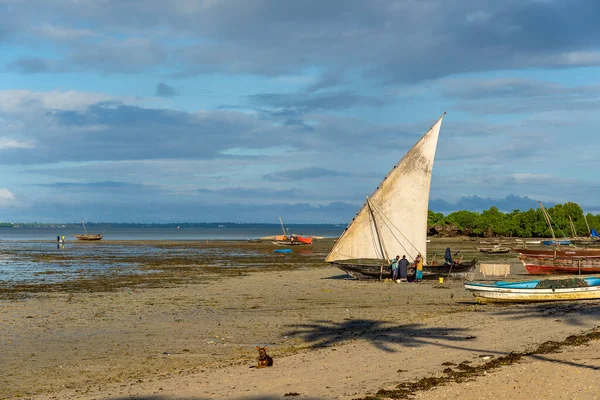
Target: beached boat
column 536, row 290
column 289, row 239
column 564, row 242
column 560, row 261
column 369, row 270
column 86, row 235
column 387, row 224
column 494, row 250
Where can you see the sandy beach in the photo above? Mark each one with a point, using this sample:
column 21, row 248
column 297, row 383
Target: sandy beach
column 331, row 337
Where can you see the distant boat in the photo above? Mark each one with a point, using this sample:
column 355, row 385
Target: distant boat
column 536, row 290
column 86, row 235
column 555, row 242
column 288, row 239
column 494, row 250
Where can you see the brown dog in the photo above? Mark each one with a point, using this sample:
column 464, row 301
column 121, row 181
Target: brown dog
column 264, row 360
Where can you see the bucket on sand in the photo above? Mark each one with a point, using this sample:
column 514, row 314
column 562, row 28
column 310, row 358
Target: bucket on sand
column 441, row 279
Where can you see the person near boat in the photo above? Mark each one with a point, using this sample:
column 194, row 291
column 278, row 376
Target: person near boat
column 394, row 267
column 418, row 268
column 403, row 269
column 448, row 256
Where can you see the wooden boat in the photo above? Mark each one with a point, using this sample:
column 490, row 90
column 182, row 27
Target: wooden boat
column 387, row 225
column 288, row 239
column 560, row 261
column 494, row 250
column 362, row 270
column 536, row 290
column 86, row 235
column 563, row 242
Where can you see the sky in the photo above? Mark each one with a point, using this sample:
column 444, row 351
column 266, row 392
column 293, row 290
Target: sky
column 244, row 111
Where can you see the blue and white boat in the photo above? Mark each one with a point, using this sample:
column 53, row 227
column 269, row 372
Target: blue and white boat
column 536, row 290
column 555, row 242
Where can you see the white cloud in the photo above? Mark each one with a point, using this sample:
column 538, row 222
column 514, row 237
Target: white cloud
column 15, row 144
column 6, row 197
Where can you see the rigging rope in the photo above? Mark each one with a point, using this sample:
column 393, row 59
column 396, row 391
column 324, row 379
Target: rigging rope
column 385, row 220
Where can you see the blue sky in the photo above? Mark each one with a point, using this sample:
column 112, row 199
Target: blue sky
column 241, row 111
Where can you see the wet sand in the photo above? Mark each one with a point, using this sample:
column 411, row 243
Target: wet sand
column 331, row 338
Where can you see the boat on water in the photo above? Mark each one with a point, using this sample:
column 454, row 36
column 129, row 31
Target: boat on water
column 86, row 235
column 289, row 239
column 388, row 225
column 536, row 290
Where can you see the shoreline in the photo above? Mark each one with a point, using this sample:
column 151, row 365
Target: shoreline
column 331, row 337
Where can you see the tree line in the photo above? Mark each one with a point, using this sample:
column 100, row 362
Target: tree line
column 530, row 223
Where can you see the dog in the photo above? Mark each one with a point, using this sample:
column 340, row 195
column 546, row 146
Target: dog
column 264, row 360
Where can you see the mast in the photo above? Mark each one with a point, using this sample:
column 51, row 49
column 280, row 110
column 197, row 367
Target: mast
column 548, row 221
column 586, row 224
column 85, row 230
column 377, row 232
column 573, row 231
column 282, row 227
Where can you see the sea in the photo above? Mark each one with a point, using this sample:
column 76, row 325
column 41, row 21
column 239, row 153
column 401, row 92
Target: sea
column 30, row 255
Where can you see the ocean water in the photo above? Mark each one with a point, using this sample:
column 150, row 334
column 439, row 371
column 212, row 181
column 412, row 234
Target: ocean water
column 227, row 233
column 33, row 256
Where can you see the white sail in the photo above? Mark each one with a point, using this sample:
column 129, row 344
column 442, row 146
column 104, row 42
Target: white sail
column 393, row 221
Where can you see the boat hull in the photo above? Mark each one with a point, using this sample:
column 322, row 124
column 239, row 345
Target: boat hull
column 462, row 271
column 88, row 237
column 546, row 262
column 521, row 292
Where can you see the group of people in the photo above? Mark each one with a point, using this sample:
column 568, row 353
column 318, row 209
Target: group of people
column 400, row 269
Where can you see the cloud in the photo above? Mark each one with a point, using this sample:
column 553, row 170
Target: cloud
column 15, row 144
column 36, row 65
column 478, row 204
column 164, row 90
column 302, row 174
column 385, row 41
column 519, row 95
column 254, row 193
column 101, row 186
column 311, row 102
column 7, row 198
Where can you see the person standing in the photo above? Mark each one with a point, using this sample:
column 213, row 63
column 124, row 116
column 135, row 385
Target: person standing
column 419, row 268
column 395, row 268
column 403, row 269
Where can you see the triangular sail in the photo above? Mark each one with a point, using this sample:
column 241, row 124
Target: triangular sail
column 399, row 204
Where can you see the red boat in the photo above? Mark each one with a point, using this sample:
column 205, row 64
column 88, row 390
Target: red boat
column 558, row 261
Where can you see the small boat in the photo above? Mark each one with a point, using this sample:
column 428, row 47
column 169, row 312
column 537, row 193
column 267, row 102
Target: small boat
column 285, row 251
column 86, row 235
column 533, row 242
column 288, row 239
column 536, row 290
column 494, row 250
column 564, row 242
column 489, row 242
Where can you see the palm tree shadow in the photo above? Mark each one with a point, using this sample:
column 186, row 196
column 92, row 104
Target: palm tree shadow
column 381, row 334
column 566, row 312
